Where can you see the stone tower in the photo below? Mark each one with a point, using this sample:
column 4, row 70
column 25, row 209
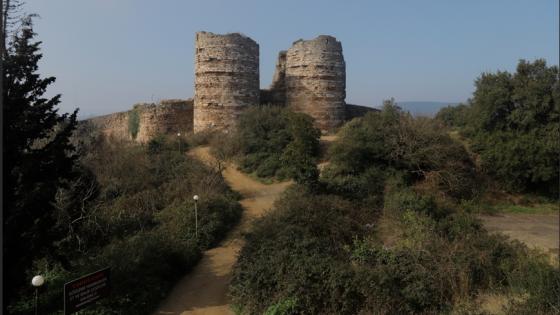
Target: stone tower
column 315, row 80
column 278, row 85
column 226, row 79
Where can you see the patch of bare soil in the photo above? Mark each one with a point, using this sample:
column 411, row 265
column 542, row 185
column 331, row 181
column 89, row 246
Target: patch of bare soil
column 388, row 230
column 204, row 290
column 535, row 230
column 325, row 142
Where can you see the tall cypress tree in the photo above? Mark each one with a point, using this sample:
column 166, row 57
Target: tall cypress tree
column 38, row 157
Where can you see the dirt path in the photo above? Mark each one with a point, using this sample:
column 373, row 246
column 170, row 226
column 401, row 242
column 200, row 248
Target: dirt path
column 325, row 142
column 535, row 230
column 204, row 290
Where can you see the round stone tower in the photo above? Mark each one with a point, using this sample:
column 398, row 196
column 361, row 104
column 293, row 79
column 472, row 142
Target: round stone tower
column 226, row 79
column 316, row 80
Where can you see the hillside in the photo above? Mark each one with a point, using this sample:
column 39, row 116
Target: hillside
column 424, row 108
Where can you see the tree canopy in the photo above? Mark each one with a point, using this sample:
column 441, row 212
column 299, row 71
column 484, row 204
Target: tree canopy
column 513, row 123
column 38, row 156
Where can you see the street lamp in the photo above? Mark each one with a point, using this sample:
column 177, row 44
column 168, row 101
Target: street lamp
column 179, row 139
column 195, row 197
column 37, row 282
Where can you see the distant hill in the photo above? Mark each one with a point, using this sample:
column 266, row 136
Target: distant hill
column 424, row 108
column 87, row 116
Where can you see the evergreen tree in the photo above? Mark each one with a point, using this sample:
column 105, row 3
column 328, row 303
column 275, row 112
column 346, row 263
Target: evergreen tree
column 38, row 157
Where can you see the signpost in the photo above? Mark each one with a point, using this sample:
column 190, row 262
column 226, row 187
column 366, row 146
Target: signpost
column 86, row 290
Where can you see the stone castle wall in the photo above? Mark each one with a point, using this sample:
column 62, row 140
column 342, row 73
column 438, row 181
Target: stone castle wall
column 169, row 117
column 276, row 93
column 113, row 126
column 310, row 77
column 354, row 111
column 315, row 80
column 166, row 118
column 226, row 79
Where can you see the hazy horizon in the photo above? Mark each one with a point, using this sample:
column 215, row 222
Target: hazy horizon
column 108, row 55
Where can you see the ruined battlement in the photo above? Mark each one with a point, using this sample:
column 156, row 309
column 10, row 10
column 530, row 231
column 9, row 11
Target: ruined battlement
column 226, row 79
column 315, row 80
column 147, row 120
column 276, row 93
column 310, row 77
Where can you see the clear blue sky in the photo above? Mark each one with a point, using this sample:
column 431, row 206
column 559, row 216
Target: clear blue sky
column 109, row 54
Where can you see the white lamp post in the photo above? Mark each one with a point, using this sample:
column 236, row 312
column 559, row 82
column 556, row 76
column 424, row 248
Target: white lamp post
column 37, row 282
column 179, row 139
column 195, row 197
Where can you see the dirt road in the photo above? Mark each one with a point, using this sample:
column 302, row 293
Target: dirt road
column 204, row 290
column 535, row 230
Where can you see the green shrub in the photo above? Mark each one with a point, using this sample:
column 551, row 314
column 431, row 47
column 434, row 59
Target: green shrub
column 155, row 145
column 403, row 282
column 201, row 138
column 216, row 217
column 390, row 141
column 512, row 122
column 406, row 199
column 267, row 167
column 274, row 142
column 141, row 224
column 438, row 263
column 284, row 307
column 299, row 251
column 453, row 116
column 522, row 161
column 134, row 122
column 160, row 143
column 313, row 254
column 538, row 282
column 155, row 255
column 365, row 184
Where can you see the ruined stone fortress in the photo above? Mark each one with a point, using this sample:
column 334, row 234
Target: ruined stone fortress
column 310, row 77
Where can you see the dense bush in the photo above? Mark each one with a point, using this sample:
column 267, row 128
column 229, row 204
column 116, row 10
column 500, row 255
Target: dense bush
column 522, row 162
column 538, row 282
column 313, row 254
column 453, row 116
column 134, row 122
column 201, row 138
column 273, row 142
column 373, row 147
column 512, row 122
column 296, row 256
column 317, row 254
column 136, row 215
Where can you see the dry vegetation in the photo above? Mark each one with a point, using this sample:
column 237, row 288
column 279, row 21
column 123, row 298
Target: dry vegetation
column 132, row 210
column 390, row 228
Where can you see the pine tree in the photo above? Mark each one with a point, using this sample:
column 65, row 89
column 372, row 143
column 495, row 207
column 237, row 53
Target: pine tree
column 38, row 157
